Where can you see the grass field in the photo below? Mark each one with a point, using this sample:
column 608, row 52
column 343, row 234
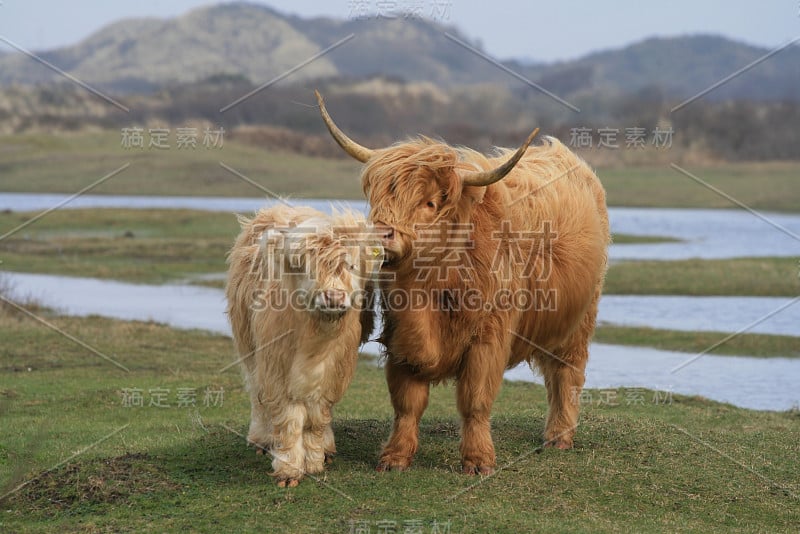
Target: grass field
column 758, row 345
column 88, row 463
column 161, row 245
column 773, row 277
column 67, row 162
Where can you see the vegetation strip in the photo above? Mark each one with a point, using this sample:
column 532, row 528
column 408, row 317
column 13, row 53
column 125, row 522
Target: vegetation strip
column 756, row 345
column 62, row 163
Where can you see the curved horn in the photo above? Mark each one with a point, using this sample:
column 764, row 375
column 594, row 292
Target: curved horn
column 359, row 152
column 495, row 175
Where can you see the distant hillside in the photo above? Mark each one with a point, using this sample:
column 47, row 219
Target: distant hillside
column 258, row 43
column 132, row 54
column 680, row 67
column 412, row 49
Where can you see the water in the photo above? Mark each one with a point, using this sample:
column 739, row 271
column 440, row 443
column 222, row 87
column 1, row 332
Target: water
column 182, row 306
column 767, row 384
column 42, row 201
column 703, row 233
column 708, row 314
column 760, row 384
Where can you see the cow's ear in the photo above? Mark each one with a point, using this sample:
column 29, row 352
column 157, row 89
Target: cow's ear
column 474, row 194
column 465, row 194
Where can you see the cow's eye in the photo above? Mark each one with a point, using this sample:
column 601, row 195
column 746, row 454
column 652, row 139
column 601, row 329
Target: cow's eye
column 351, row 267
column 431, row 204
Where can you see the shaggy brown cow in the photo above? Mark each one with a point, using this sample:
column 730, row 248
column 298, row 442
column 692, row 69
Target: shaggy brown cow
column 486, row 274
column 298, row 291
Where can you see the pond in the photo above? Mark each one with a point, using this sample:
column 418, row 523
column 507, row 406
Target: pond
column 766, row 384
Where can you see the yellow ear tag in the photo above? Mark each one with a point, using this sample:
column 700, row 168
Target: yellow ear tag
column 376, row 252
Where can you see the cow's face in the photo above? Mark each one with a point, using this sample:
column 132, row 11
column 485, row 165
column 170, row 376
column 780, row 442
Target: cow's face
column 339, row 271
column 410, row 193
column 324, row 268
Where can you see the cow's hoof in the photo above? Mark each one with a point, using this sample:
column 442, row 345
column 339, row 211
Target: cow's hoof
column 483, row 470
column 288, row 482
column 390, row 464
column 382, row 467
column 261, row 451
column 561, row 444
column 329, row 456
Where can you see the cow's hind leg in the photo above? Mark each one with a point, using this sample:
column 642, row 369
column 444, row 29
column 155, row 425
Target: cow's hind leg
column 409, row 397
column 564, row 382
column 564, row 376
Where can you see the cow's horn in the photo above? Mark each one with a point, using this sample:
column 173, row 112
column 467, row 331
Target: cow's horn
column 359, row 152
column 495, row 175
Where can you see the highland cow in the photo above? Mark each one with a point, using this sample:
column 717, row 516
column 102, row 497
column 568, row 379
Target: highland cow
column 524, row 236
column 299, row 292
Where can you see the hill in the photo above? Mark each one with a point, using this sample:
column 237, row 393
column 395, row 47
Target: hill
column 259, row 43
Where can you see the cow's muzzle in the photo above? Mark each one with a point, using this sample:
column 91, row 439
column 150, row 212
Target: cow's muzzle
column 388, row 238
column 332, row 301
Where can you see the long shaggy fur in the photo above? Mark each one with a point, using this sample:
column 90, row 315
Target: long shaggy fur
column 298, row 359
column 416, row 186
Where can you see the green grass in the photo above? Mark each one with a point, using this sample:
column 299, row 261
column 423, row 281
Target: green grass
column 773, row 277
column 67, row 162
column 626, row 239
column 758, row 345
column 161, row 245
column 690, row 464
column 769, row 186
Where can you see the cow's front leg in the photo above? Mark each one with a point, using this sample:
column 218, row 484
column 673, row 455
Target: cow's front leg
column 288, row 452
column 317, row 432
column 477, row 387
column 260, row 433
column 328, row 441
column 409, row 398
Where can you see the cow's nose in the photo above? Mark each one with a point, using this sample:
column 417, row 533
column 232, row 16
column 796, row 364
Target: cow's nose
column 334, row 298
column 385, row 232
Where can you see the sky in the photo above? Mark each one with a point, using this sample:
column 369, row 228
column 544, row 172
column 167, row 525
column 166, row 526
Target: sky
column 558, row 29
